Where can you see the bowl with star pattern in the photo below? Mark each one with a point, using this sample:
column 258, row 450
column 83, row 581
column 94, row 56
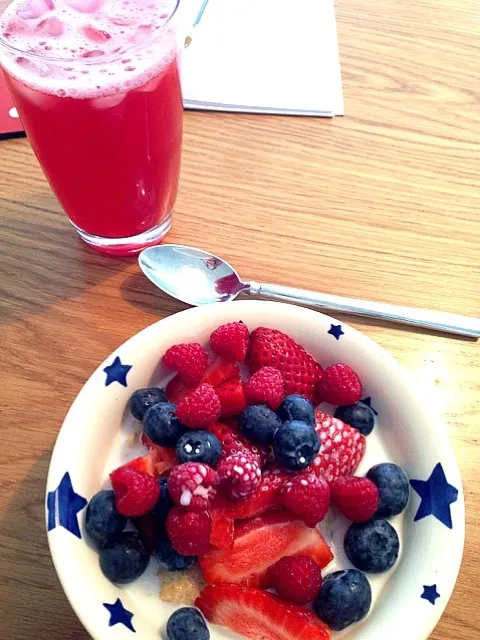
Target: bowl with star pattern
column 99, row 434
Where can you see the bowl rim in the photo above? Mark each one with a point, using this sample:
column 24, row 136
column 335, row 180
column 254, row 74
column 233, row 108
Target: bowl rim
column 195, row 315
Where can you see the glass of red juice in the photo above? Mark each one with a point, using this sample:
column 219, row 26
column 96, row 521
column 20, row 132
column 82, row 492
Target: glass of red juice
column 97, row 87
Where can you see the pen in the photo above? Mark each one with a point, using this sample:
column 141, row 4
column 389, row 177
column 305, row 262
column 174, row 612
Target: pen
column 188, row 39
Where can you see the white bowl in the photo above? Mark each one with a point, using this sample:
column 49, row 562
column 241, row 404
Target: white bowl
column 96, row 437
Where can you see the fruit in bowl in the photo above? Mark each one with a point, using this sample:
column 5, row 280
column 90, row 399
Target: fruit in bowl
column 245, row 459
column 245, row 498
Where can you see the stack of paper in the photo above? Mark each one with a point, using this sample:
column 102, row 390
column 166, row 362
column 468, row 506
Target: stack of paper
column 264, row 56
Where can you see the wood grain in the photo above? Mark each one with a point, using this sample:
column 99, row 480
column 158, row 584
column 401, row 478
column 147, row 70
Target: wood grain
column 381, row 204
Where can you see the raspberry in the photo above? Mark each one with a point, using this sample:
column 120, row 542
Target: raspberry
column 356, row 498
column 189, row 531
column 190, row 360
column 199, row 409
column 136, row 493
column 295, row 578
column 266, row 497
column 232, row 398
column 240, row 474
column 339, row 385
column 308, row 496
column 230, row 341
column 233, row 442
column 265, row 387
column 191, row 485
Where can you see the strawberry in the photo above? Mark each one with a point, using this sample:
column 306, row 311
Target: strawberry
column 295, row 578
column 259, row 543
column 200, row 409
column 176, row 390
column 136, row 493
column 356, row 498
column 272, row 348
column 258, row 615
column 265, row 387
column 222, row 530
column 233, row 442
column 160, row 459
column 230, row 341
column 342, row 447
column 339, row 385
column 308, row 496
column 143, row 464
column 220, row 371
column 217, row 372
column 190, row 360
column 189, row 531
column 232, row 398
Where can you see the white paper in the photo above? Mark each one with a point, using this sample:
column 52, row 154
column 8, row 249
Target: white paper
column 267, row 56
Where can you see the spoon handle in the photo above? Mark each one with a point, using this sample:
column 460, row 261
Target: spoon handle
column 438, row 320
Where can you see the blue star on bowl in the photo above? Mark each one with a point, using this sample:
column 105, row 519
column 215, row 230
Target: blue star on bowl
column 119, row 615
column 336, row 331
column 430, row 593
column 436, row 497
column 63, row 506
column 117, row 372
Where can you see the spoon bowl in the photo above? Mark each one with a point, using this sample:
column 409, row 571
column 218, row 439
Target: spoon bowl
column 190, row 275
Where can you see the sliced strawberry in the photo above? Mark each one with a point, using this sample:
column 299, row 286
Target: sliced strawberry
column 176, row 390
column 163, row 459
column 222, row 530
column 218, row 372
column 341, row 450
column 144, row 464
column 259, row 543
column 232, row 398
column 259, row 615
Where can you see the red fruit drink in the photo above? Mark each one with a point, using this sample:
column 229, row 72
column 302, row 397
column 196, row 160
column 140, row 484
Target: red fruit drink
column 96, row 83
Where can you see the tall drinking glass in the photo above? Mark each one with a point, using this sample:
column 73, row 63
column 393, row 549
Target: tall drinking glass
column 97, row 87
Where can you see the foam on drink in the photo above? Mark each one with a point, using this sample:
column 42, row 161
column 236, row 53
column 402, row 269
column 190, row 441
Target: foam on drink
column 87, row 48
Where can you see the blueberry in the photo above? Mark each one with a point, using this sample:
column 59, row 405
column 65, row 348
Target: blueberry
column 344, row 598
column 164, row 502
column 372, row 546
column 199, row 446
column 296, row 407
column 259, row 423
column 124, row 558
column 295, row 445
column 102, row 519
column 161, row 424
column 167, row 557
column 187, row 623
column 359, row 416
column 143, row 399
column 393, row 488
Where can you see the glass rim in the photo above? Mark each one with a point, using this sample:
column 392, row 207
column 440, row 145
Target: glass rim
column 99, row 60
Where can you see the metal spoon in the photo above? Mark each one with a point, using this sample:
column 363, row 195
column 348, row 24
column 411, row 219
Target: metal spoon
column 197, row 277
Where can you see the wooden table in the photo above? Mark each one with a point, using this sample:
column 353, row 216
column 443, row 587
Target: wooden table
column 381, row 204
